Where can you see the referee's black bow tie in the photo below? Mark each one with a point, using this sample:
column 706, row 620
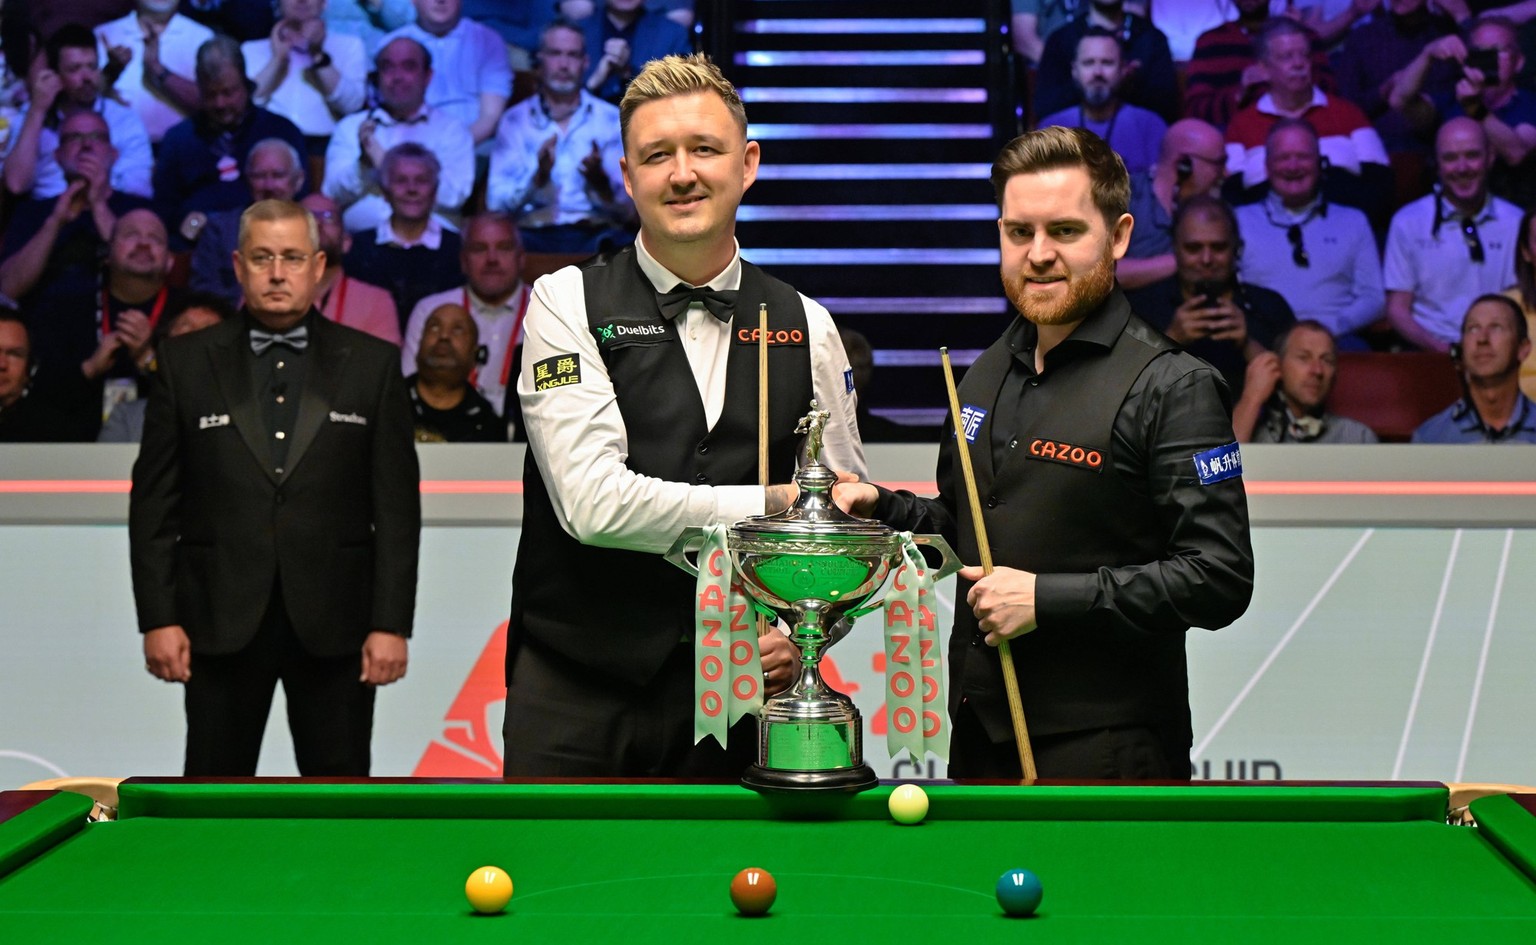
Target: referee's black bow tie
column 676, row 302
column 297, row 339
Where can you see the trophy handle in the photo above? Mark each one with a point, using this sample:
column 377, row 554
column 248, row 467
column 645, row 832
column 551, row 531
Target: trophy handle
column 948, row 566
column 684, row 551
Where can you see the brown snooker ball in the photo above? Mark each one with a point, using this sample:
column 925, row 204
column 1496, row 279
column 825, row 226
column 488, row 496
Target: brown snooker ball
column 753, row 890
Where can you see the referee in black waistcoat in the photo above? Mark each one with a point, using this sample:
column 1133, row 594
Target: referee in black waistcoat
column 639, row 393
column 1111, row 487
column 275, row 515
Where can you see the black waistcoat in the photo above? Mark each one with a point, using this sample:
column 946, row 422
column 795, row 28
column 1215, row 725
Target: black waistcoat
column 1048, row 513
column 618, row 612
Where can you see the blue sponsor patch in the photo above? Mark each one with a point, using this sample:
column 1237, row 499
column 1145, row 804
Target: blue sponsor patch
column 848, row 381
column 1223, row 462
column 971, row 417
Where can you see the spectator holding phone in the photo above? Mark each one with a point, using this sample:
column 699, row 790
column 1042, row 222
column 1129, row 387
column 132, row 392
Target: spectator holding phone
column 1202, row 306
column 1488, row 58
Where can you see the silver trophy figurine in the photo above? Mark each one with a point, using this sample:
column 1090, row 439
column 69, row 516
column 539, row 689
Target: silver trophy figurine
column 815, row 567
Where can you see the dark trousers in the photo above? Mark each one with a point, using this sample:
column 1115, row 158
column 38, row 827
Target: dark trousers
column 565, row 721
column 1106, row 754
column 228, row 699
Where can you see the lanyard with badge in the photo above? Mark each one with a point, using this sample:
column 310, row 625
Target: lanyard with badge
column 512, row 339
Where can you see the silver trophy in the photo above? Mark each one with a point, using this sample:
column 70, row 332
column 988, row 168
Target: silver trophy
column 815, row 567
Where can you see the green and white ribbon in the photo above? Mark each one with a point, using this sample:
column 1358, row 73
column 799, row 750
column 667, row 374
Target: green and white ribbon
column 728, row 674
column 917, row 718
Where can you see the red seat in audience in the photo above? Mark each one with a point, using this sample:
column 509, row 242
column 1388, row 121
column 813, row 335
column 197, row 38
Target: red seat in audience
column 1393, row 393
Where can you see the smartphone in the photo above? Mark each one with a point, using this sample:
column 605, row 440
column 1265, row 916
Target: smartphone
column 1485, row 61
column 1212, row 289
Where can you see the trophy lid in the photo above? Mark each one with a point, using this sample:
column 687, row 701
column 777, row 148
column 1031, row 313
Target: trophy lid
column 813, row 512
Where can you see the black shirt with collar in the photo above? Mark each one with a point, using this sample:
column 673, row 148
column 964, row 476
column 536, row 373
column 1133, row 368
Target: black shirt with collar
column 471, row 420
column 1267, row 313
column 277, row 377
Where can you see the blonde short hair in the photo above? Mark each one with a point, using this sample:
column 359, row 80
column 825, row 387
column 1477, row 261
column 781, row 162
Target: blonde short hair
column 679, row 75
column 271, row 211
column 1060, row 147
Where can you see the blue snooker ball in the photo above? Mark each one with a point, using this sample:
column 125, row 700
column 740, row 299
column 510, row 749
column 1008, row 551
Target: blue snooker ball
column 1019, row 892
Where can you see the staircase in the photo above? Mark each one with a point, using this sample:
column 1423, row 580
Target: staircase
column 879, row 120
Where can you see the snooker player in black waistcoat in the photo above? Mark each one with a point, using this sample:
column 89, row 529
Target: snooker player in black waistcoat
column 275, row 515
column 639, row 392
column 1111, row 490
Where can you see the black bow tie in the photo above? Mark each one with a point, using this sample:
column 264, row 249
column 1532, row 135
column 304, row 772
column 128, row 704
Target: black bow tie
column 297, row 339
column 676, row 302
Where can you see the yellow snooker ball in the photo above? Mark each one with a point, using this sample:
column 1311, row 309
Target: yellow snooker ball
column 488, row 889
column 908, row 804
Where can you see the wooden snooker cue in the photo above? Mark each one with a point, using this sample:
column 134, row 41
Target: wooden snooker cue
column 762, row 422
column 1010, row 678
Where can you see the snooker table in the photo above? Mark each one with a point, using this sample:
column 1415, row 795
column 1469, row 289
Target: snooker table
column 385, row 861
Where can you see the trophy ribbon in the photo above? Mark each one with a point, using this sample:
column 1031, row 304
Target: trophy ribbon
column 916, row 712
column 728, row 681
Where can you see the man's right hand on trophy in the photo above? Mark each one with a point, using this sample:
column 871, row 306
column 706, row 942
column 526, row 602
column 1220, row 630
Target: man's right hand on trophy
column 855, row 497
column 777, row 498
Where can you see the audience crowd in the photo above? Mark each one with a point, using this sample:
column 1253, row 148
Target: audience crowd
column 1314, row 182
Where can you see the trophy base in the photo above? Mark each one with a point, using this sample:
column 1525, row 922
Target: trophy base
column 852, row 780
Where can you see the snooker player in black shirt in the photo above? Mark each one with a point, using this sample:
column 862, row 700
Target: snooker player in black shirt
column 1111, row 489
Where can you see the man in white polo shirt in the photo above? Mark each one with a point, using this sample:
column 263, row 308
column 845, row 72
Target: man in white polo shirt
column 1448, row 248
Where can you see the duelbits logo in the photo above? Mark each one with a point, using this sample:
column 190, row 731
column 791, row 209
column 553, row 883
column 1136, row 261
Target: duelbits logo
column 619, row 331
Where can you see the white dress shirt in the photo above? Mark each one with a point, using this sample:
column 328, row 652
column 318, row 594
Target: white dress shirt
column 469, row 60
column 577, row 431
column 355, row 185
column 178, row 53
column 131, row 172
column 297, row 98
column 565, row 199
column 501, row 330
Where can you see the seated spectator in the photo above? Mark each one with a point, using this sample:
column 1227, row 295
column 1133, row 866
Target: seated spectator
column 275, row 171
column 1287, row 390
column 1203, row 306
column 151, row 56
column 53, row 250
column 1451, row 246
column 1033, row 22
column 1191, row 161
column 198, row 310
column 32, row 410
column 371, row 20
column 1354, row 151
column 1494, row 340
column 625, row 35
column 71, row 82
column 1098, row 71
column 1152, row 83
column 200, row 161
column 472, row 80
column 448, row 408
column 1488, row 61
column 1523, row 292
column 303, row 72
column 240, row 19
column 555, row 167
column 496, row 296
column 519, row 24
column 1374, row 52
column 1223, row 76
column 411, row 253
column 343, row 298
column 403, row 68
column 874, row 428
column 1320, row 256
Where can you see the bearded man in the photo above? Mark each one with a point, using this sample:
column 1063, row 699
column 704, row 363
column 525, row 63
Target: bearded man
column 1111, row 489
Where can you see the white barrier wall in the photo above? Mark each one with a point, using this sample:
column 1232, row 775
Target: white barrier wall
column 1388, row 636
